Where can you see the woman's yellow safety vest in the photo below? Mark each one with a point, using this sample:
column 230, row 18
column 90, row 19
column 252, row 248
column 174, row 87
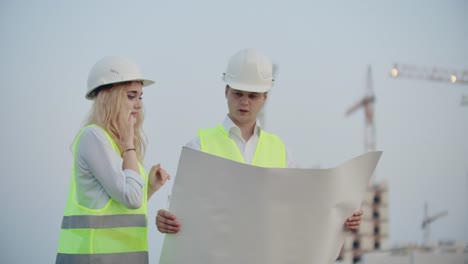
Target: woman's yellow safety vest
column 113, row 234
column 270, row 151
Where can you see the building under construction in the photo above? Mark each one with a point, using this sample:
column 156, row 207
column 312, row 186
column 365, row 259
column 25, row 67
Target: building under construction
column 373, row 233
column 372, row 238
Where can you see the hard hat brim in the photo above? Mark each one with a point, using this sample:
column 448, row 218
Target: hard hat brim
column 92, row 93
column 249, row 88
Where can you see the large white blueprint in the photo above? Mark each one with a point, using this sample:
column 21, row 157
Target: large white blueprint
column 233, row 213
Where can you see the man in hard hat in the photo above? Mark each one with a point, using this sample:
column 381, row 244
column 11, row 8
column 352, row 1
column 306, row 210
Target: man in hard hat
column 248, row 78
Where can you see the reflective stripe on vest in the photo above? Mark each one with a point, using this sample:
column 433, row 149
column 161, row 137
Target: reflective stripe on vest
column 103, row 221
column 270, row 151
column 115, row 258
column 112, row 234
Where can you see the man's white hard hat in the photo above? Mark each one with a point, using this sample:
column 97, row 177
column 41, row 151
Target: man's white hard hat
column 249, row 70
column 111, row 70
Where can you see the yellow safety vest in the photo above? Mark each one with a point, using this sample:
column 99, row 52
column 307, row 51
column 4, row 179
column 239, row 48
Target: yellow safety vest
column 270, row 151
column 113, row 234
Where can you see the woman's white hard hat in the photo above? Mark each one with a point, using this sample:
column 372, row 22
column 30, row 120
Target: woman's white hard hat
column 111, row 70
column 249, row 70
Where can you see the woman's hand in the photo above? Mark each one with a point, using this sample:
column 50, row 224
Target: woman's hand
column 127, row 129
column 157, row 177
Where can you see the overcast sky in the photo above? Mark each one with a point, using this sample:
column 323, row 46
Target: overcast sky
column 322, row 49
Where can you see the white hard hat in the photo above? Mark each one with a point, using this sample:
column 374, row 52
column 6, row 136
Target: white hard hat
column 113, row 70
column 249, row 70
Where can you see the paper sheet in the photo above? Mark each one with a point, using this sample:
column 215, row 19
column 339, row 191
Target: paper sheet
column 234, row 213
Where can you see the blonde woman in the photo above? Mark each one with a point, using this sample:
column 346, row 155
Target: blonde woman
column 105, row 217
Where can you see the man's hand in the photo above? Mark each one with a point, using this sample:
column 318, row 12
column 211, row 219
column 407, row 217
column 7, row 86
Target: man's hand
column 353, row 222
column 166, row 222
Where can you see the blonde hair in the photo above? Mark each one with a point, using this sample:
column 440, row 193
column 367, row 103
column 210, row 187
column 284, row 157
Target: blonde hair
column 106, row 113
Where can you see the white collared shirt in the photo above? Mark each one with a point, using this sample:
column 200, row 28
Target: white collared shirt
column 247, row 148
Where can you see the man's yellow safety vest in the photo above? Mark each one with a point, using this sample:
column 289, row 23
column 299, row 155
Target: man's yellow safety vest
column 113, row 234
column 270, row 151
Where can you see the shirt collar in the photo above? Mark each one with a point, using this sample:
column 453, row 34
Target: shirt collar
column 229, row 126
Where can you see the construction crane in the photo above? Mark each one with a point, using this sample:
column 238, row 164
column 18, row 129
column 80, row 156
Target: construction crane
column 429, row 73
column 428, row 220
column 367, row 103
column 438, row 74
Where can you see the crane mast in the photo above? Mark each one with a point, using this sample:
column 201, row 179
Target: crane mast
column 367, row 103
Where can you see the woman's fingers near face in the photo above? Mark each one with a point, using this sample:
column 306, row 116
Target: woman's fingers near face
column 131, row 119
